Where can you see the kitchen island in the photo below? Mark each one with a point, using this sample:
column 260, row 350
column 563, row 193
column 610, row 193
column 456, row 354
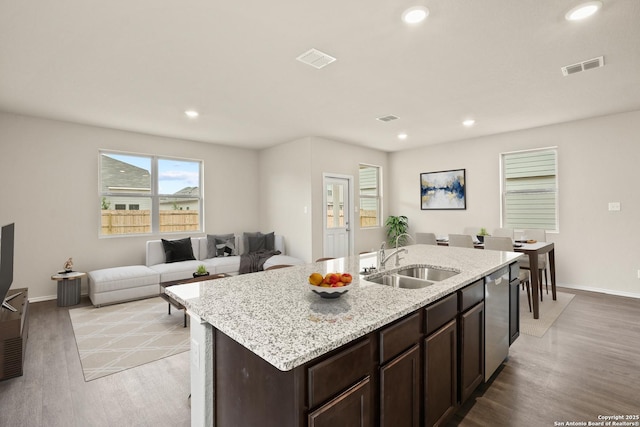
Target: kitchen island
column 268, row 351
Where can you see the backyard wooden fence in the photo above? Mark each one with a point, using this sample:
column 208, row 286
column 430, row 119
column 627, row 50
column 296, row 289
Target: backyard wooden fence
column 367, row 218
column 137, row 222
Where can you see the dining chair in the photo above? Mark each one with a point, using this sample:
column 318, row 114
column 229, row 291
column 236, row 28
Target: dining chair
column 426, row 238
column 503, row 232
column 461, row 240
column 495, row 243
column 539, row 235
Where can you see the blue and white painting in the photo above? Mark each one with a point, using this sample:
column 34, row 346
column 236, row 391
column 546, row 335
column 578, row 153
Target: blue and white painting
column 443, row 190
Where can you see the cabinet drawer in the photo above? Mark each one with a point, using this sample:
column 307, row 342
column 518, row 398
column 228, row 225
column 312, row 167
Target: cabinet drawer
column 398, row 337
column 338, row 372
column 471, row 295
column 440, row 313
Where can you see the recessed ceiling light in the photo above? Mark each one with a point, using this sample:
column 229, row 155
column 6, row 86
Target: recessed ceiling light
column 402, row 136
column 415, row 14
column 583, row 11
column 468, row 123
column 192, row 114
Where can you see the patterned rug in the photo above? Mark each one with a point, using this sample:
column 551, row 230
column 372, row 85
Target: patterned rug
column 550, row 310
column 117, row 337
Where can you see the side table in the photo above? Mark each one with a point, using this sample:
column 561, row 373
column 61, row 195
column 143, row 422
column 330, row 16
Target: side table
column 68, row 287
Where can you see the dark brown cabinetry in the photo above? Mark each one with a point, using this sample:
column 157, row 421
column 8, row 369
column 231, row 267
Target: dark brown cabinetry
column 440, row 365
column 471, row 350
column 413, row 372
column 351, row 408
column 400, row 372
column 14, row 329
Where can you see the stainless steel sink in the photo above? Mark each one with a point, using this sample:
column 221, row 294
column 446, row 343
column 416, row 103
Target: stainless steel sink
column 398, row 281
column 426, row 273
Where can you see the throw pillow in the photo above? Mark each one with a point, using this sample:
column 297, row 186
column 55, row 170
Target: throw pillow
column 245, row 240
column 270, row 241
column 226, row 247
column 212, row 242
column 257, row 243
column 178, row 250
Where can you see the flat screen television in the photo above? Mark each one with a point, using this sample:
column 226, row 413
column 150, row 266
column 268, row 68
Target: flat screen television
column 6, row 266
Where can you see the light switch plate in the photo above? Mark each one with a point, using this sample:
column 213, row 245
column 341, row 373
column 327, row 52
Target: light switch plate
column 614, row 206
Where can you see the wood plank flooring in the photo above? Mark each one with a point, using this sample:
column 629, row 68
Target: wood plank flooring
column 52, row 391
column 588, row 364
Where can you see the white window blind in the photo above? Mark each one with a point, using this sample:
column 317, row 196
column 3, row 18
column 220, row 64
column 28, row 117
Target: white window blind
column 530, row 190
column 369, row 183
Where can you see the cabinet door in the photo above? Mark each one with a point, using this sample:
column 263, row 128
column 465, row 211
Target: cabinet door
column 514, row 310
column 471, row 350
column 440, row 368
column 400, row 390
column 350, row 409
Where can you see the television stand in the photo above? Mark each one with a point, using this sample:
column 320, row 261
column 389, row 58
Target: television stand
column 5, row 303
column 14, row 329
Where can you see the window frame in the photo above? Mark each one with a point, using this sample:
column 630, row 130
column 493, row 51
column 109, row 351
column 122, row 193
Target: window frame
column 555, row 190
column 377, row 197
column 154, row 194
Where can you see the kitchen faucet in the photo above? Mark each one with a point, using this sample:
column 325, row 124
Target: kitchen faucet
column 383, row 258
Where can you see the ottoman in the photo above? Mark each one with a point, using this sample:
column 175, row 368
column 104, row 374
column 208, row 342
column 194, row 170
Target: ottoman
column 118, row 284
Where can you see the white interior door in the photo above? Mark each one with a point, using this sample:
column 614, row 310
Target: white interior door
column 337, row 216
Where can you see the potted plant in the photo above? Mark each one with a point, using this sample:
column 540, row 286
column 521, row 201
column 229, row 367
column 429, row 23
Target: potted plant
column 397, row 225
column 481, row 234
column 201, row 271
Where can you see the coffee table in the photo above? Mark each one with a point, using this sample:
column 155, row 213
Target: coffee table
column 175, row 303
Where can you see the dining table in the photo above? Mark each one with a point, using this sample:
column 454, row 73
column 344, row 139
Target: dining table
column 533, row 250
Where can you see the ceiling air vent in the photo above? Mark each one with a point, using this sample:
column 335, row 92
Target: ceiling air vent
column 388, row 118
column 583, row 66
column 315, row 58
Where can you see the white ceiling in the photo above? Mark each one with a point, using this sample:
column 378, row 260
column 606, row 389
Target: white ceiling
column 137, row 65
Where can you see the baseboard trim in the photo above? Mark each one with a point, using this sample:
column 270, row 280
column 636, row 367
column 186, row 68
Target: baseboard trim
column 601, row 290
column 48, row 298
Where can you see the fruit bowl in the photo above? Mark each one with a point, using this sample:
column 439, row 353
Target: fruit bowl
column 332, row 285
column 325, row 292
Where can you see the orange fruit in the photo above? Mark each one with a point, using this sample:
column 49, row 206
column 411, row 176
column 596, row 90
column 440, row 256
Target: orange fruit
column 315, row 279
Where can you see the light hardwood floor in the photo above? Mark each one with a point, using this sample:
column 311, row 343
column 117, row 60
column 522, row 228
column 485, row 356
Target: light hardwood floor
column 588, row 364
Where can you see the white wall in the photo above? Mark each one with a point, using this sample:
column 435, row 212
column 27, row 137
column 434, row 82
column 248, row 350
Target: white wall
column 336, row 157
column 49, row 188
column 285, row 195
column 597, row 160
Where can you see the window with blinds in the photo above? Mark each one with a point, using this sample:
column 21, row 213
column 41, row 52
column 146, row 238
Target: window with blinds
column 369, row 184
column 530, row 189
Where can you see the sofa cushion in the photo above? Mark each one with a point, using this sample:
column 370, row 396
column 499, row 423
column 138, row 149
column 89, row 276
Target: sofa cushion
column 178, row 250
column 281, row 260
column 116, row 278
column 227, row 265
column 177, row 270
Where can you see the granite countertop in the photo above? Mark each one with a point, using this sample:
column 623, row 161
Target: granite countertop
column 276, row 316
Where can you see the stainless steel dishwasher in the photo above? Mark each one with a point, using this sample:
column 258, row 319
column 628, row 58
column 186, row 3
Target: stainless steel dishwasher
column 496, row 323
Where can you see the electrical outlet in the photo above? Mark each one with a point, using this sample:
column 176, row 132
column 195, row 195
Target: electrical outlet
column 195, row 354
column 614, row 206
column 638, row 274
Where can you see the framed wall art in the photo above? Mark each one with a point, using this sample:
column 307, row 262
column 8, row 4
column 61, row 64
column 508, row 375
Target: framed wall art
column 443, row 190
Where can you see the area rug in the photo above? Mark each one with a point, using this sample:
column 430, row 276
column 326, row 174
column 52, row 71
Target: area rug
column 550, row 310
column 122, row 336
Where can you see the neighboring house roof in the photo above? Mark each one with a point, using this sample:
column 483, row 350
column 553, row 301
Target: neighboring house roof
column 117, row 174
